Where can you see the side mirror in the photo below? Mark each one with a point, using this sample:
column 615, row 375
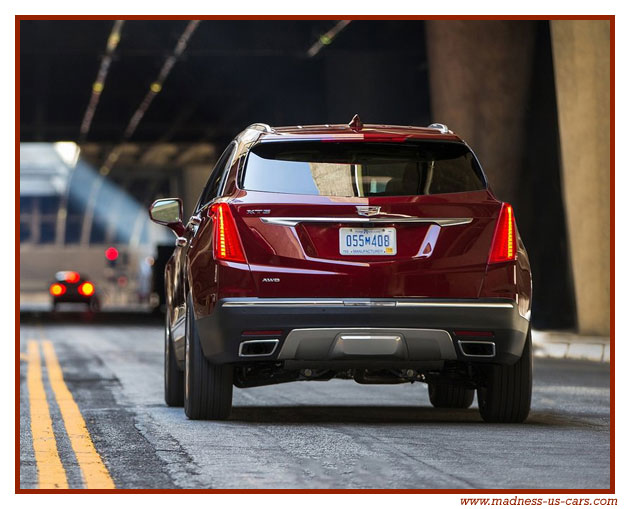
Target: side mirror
column 168, row 212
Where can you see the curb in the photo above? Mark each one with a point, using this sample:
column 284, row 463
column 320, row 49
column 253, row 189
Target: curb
column 563, row 345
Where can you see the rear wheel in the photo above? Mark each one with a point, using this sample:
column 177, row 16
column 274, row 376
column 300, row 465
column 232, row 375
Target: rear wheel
column 208, row 387
column 507, row 392
column 173, row 376
column 94, row 305
column 450, row 396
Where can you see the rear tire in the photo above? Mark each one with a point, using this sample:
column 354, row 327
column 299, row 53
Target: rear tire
column 94, row 305
column 507, row 394
column 173, row 376
column 208, row 387
column 450, row 396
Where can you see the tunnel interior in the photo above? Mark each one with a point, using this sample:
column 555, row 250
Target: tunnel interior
column 234, row 73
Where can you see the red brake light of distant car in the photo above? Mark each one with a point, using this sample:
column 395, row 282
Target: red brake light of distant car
column 86, row 289
column 227, row 243
column 57, row 289
column 72, row 277
column 111, row 253
column 504, row 242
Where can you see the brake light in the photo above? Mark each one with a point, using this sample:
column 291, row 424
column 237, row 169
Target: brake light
column 72, row 277
column 227, row 243
column 86, row 289
column 504, row 242
column 111, row 253
column 57, row 289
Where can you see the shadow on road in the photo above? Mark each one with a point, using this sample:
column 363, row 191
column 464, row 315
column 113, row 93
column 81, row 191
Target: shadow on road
column 308, row 414
column 351, row 414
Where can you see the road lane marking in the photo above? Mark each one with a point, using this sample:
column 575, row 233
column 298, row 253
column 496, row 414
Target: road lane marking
column 50, row 471
column 95, row 473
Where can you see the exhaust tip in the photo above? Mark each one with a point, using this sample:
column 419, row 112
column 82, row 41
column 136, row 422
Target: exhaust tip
column 257, row 347
column 477, row 348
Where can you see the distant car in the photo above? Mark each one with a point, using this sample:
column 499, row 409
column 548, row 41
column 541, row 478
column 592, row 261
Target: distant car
column 372, row 252
column 71, row 287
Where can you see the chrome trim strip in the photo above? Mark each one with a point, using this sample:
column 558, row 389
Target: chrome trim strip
column 428, row 244
column 284, row 303
column 370, row 303
column 456, row 304
column 293, row 221
column 368, row 337
column 491, row 343
column 274, row 341
column 374, row 303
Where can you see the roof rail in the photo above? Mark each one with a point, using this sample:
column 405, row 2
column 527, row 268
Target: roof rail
column 443, row 128
column 261, row 127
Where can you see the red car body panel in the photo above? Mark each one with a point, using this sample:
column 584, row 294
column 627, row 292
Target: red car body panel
column 306, row 257
column 308, row 253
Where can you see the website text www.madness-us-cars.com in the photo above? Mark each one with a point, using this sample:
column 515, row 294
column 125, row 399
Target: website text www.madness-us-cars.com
column 539, row 501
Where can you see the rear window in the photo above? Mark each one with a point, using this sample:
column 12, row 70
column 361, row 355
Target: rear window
column 362, row 169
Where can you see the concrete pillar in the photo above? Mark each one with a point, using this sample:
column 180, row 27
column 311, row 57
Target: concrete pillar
column 194, row 179
column 581, row 54
column 479, row 74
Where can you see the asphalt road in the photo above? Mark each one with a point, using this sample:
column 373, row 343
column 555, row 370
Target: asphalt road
column 335, row 434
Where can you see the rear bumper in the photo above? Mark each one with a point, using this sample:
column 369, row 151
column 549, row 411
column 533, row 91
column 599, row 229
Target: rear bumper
column 356, row 331
column 77, row 298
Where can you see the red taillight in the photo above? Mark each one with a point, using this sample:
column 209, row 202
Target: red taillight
column 504, row 242
column 57, row 289
column 86, row 289
column 72, row 277
column 227, row 244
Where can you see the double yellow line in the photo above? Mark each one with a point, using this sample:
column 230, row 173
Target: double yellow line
column 50, row 471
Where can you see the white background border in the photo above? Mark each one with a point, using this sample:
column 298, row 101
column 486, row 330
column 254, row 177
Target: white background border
column 297, row 7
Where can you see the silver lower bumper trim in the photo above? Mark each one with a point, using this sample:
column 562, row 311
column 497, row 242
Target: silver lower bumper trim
column 363, row 302
column 344, row 343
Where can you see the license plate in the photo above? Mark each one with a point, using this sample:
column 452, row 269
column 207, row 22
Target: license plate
column 367, row 241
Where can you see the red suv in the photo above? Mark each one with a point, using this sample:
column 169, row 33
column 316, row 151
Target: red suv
column 371, row 252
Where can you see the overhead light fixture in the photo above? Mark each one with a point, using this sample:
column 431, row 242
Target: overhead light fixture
column 327, row 38
column 99, row 83
column 154, row 88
